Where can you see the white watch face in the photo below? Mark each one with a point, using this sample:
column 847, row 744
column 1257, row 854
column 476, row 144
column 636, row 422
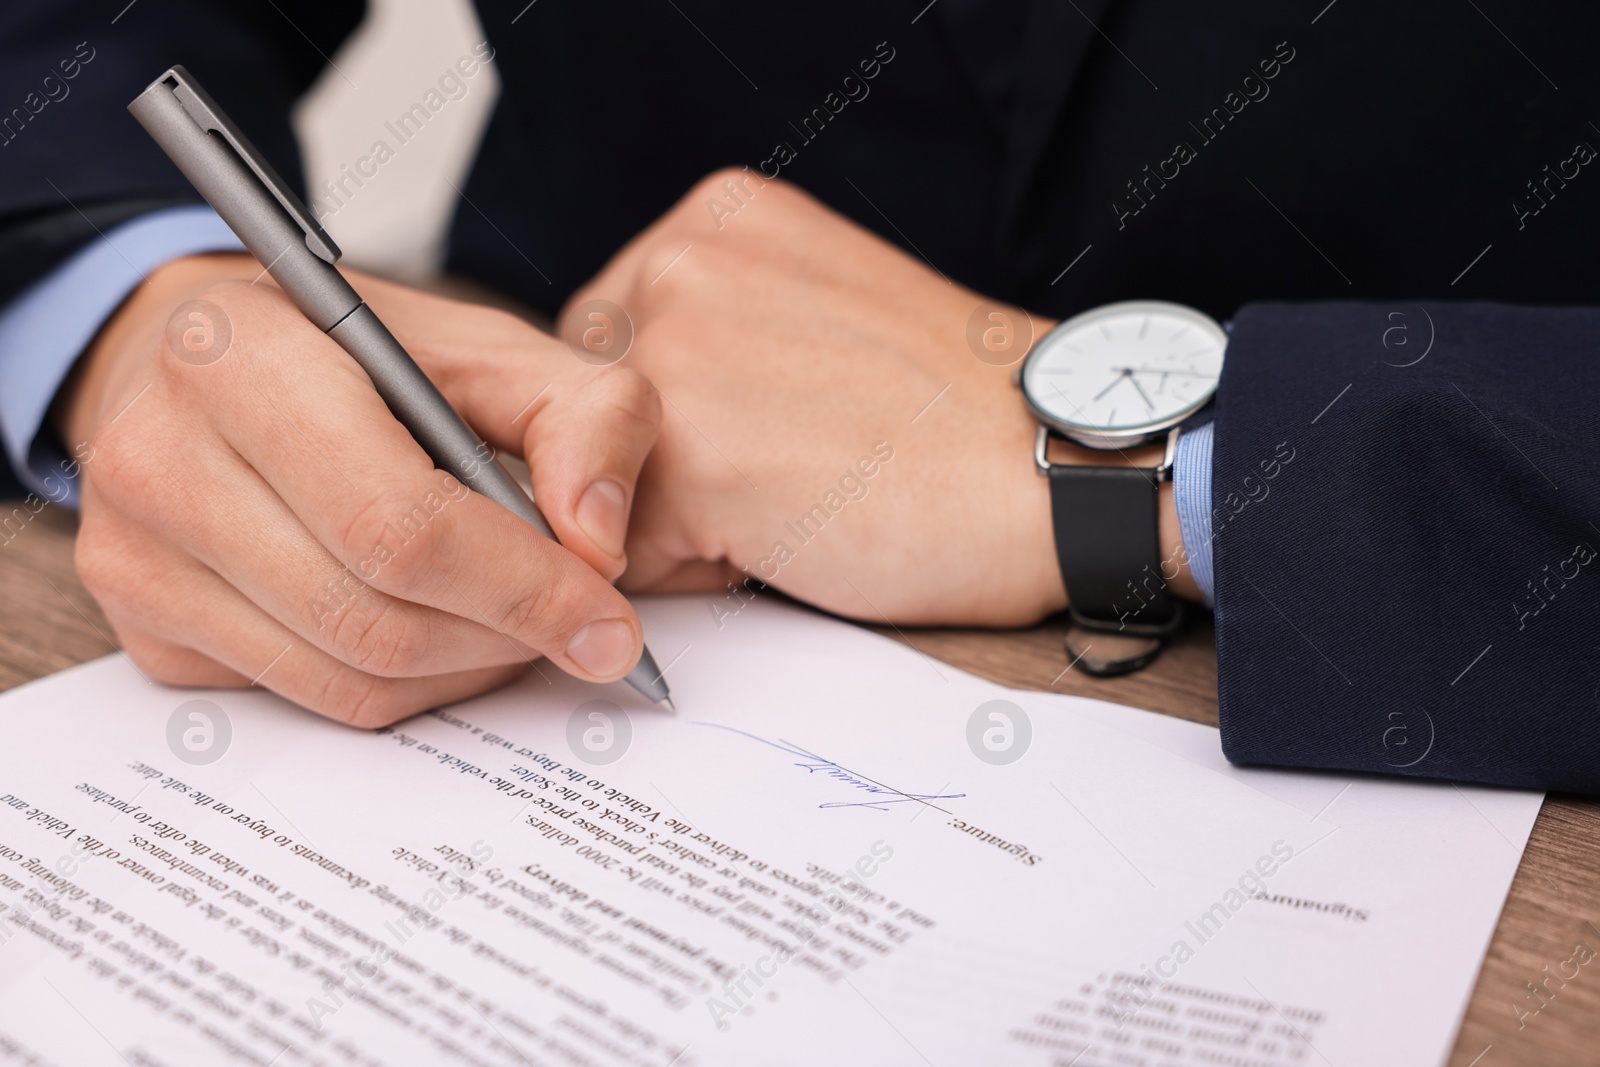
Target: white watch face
column 1123, row 369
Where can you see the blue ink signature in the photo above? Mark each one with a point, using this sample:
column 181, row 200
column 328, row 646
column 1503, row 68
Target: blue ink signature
column 811, row 764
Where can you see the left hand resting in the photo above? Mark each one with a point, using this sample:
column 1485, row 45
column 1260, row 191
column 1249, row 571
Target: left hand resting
column 826, row 426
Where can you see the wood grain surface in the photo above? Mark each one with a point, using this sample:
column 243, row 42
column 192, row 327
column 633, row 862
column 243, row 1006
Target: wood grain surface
column 48, row 622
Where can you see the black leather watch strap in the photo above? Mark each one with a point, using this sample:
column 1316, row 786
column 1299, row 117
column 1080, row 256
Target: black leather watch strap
column 1109, row 548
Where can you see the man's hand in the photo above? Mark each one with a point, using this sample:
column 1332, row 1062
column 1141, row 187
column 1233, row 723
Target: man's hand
column 828, row 428
column 253, row 513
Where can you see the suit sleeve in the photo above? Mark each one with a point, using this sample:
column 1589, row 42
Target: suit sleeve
column 1406, row 534
column 68, row 69
column 74, row 165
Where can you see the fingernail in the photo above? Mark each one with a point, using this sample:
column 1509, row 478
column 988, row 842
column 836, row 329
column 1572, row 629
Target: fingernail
column 604, row 648
column 603, row 514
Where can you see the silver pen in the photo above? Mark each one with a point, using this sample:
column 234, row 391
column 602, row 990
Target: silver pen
column 275, row 226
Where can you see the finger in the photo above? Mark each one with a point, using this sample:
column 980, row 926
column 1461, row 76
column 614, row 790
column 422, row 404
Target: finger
column 172, row 664
column 173, row 604
column 585, row 428
column 492, row 368
column 299, row 410
column 585, row 482
column 262, row 549
column 658, row 540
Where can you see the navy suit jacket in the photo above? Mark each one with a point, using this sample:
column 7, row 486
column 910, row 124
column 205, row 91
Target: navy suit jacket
column 1395, row 206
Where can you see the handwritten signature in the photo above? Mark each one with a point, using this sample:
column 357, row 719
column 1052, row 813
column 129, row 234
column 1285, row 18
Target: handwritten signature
column 813, row 764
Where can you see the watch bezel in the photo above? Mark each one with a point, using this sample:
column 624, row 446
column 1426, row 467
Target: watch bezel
column 1099, row 438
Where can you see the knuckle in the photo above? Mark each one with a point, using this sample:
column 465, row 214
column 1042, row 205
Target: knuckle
column 387, row 539
column 630, row 393
column 780, row 198
column 374, row 637
column 722, row 260
column 787, row 191
column 360, row 700
column 101, row 565
column 200, row 329
column 688, row 275
column 160, row 669
column 734, row 188
column 242, row 301
column 716, row 183
column 427, row 546
column 131, row 458
column 667, row 268
column 161, row 664
column 230, row 332
column 231, row 292
column 361, row 530
column 164, row 660
column 538, row 616
column 400, row 542
column 679, row 271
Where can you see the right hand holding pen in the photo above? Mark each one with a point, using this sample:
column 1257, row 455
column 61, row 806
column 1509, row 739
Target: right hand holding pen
column 252, row 512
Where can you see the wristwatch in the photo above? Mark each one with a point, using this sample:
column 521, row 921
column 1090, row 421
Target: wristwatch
column 1116, row 377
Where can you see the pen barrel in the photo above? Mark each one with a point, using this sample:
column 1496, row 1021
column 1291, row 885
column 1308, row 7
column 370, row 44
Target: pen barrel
column 280, row 243
column 450, row 442
column 283, row 236
column 276, row 240
column 417, row 403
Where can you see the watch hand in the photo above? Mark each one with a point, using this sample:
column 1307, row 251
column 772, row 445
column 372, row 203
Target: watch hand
column 1163, row 370
column 1151, row 408
column 1113, row 384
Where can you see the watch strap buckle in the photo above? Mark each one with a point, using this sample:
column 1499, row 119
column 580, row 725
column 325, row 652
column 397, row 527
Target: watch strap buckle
column 1160, row 628
column 1124, row 646
column 1117, row 654
column 1041, row 454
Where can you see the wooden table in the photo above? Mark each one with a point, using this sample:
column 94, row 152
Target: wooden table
column 48, row 621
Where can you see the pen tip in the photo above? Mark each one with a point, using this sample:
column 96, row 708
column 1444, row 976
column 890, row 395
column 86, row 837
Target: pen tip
column 667, row 703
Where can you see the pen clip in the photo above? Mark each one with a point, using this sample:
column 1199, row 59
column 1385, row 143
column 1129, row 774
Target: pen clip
column 208, row 116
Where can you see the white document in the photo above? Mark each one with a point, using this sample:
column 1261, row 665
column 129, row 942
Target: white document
column 823, row 858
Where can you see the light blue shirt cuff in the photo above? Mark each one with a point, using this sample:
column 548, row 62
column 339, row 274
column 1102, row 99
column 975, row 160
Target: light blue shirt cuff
column 45, row 329
column 1191, row 490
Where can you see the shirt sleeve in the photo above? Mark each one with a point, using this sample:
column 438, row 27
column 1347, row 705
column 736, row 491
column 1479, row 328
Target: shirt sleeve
column 1191, row 490
column 46, row 328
